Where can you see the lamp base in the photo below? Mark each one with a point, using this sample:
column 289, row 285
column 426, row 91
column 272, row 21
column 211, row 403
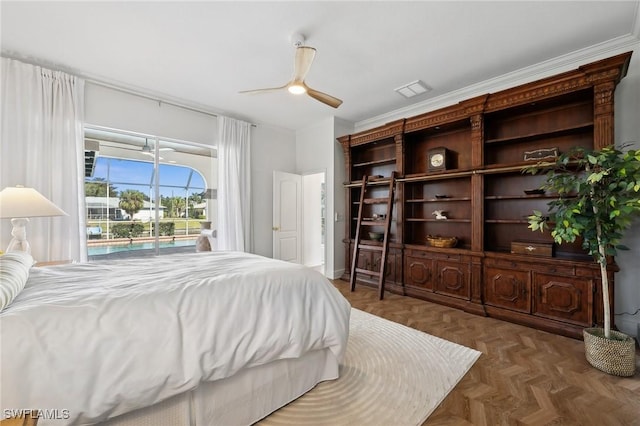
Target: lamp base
column 19, row 232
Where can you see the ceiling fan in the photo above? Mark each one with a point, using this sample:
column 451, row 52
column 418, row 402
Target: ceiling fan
column 147, row 150
column 302, row 64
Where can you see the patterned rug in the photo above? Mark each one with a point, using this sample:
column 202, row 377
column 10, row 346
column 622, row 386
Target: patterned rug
column 392, row 375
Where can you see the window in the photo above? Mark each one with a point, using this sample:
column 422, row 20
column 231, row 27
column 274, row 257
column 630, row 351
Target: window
column 132, row 212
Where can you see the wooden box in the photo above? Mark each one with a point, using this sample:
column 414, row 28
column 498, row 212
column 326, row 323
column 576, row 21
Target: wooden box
column 530, row 248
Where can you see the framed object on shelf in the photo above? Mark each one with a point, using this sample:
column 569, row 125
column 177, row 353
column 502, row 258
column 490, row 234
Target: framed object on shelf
column 438, row 159
column 541, row 154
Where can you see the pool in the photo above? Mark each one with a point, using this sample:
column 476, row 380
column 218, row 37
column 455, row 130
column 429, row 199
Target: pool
column 106, row 249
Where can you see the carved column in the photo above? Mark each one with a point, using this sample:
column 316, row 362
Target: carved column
column 398, row 212
column 345, row 141
column 477, row 161
column 603, row 125
column 477, row 128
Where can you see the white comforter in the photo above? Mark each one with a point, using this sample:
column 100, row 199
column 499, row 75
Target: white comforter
column 101, row 339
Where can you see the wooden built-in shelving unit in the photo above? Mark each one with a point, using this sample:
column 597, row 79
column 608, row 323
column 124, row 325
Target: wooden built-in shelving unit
column 481, row 192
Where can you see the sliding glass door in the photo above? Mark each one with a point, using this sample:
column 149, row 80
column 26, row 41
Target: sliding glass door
column 146, row 195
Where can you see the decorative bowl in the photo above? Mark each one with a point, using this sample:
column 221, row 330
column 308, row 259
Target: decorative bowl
column 376, row 236
column 438, row 241
column 441, row 196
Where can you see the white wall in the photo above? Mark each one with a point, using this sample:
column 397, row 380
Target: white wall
column 112, row 108
column 271, row 149
column 341, row 128
column 312, row 247
column 627, row 289
column 314, row 154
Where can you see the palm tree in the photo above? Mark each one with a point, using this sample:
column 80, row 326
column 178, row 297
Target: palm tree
column 131, row 201
column 99, row 188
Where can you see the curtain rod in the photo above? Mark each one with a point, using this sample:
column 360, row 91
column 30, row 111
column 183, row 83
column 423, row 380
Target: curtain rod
column 98, row 82
column 150, row 97
column 146, row 96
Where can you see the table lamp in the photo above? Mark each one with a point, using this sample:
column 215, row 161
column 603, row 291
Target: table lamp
column 19, row 203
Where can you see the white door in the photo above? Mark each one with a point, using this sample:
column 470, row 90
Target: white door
column 287, row 217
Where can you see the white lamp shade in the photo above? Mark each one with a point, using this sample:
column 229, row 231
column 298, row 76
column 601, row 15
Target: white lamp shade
column 19, row 201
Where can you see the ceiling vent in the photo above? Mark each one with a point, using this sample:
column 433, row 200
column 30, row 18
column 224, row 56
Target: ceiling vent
column 412, row 89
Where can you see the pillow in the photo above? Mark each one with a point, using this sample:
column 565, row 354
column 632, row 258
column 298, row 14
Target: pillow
column 14, row 271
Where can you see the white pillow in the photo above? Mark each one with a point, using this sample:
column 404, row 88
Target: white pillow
column 14, row 271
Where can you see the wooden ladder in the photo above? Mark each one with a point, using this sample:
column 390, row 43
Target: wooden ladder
column 367, row 183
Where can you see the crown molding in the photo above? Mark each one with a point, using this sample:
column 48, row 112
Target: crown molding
column 535, row 72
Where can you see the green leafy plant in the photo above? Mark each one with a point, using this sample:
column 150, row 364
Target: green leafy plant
column 598, row 198
column 127, row 230
column 166, row 228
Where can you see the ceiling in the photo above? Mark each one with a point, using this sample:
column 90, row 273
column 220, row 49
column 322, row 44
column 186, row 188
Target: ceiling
column 203, row 53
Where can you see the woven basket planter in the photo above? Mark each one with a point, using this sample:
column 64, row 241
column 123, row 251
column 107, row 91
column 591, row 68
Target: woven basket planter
column 616, row 356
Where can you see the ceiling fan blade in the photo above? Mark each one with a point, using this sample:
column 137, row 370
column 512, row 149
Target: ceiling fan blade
column 270, row 89
column 324, row 98
column 151, row 154
column 303, row 61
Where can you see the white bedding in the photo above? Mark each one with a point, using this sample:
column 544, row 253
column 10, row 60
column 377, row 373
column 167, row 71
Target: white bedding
column 101, row 339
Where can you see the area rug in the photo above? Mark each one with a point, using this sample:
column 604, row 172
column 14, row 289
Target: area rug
column 391, row 375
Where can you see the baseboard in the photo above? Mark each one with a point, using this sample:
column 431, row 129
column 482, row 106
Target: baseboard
column 630, row 326
column 337, row 273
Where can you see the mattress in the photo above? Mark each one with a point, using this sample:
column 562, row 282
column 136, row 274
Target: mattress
column 102, row 339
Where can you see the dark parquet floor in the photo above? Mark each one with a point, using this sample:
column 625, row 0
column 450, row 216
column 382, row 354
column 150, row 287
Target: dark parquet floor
column 523, row 377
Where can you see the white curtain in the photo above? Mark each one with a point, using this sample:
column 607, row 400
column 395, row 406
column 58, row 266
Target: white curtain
column 234, row 185
column 42, row 147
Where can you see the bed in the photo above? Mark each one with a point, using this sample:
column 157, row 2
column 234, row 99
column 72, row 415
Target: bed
column 186, row 339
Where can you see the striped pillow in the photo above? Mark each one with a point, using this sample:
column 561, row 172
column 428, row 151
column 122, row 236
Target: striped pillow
column 14, row 271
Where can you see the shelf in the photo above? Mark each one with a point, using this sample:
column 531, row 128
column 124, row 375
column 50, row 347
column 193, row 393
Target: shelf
column 358, row 183
column 438, row 200
column 419, row 177
column 375, row 162
column 508, row 221
column 418, row 219
column 463, row 249
column 526, row 197
column 521, row 197
column 501, row 252
column 540, row 135
column 370, row 222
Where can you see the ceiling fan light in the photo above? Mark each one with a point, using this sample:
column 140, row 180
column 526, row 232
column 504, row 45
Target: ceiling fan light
column 297, row 89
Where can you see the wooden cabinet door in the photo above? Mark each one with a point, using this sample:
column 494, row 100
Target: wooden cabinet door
column 365, row 261
column 507, row 288
column 418, row 272
column 391, row 271
column 453, row 279
column 568, row 299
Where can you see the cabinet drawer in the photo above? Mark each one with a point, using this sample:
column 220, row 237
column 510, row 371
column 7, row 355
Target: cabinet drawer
column 532, row 249
column 434, row 255
column 568, row 299
column 417, row 253
column 545, row 266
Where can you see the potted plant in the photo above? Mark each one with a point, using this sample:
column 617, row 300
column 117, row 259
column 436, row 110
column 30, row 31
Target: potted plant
column 598, row 197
